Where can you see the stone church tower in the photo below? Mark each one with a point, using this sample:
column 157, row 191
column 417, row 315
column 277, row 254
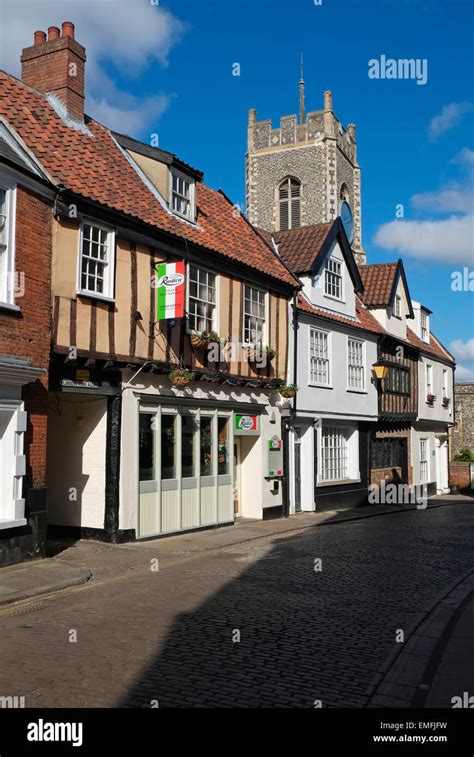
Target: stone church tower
column 303, row 173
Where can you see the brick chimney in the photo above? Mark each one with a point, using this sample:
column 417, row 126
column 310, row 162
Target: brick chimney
column 56, row 65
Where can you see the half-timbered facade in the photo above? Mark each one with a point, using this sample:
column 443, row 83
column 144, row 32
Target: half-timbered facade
column 131, row 453
column 409, row 443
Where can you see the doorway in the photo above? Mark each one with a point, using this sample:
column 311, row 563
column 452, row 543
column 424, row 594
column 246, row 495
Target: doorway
column 442, row 465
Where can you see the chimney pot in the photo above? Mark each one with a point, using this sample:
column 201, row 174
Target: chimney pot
column 39, row 38
column 67, row 29
column 53, row 33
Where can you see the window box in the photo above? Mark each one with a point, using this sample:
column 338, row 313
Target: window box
column 201, row 340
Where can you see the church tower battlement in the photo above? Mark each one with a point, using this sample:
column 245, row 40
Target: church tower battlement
column 304, row 172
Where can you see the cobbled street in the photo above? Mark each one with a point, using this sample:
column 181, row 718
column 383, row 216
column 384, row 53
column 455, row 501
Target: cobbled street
column 171, row 637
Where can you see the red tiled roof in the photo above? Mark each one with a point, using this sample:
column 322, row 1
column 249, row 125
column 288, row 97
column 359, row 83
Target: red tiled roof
column 434, row 347
column 364, row 319
column 299, row 247
column 92, row 165
column 378, row 279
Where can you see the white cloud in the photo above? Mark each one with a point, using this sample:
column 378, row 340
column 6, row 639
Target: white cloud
column 454, row 199
column 449, row 240
column 465, row 158
column 463, row 374
column 449, row 117
column 126, row 36
column 462, row 350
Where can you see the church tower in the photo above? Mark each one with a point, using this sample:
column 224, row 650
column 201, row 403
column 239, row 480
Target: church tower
column 304, row 173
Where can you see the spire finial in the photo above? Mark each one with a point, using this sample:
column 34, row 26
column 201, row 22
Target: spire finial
column 302, row 92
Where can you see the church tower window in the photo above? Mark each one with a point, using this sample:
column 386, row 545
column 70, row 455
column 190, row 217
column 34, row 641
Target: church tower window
column 290, row 203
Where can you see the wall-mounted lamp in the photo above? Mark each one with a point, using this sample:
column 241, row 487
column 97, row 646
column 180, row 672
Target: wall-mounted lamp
column 380, row 370
column 272, row 417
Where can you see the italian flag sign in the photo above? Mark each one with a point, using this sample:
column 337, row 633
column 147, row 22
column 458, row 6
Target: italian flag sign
column 170, row 291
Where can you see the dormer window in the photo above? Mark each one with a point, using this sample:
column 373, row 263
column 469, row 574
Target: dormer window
column 289, row 194
column 182, row 194
column 424, row 327
column 397, row 306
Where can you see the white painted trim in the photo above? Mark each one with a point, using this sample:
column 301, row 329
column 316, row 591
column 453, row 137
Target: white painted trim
column 109, row 295
column 329, row 385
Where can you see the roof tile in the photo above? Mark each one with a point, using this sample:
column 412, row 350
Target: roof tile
column 92, row 165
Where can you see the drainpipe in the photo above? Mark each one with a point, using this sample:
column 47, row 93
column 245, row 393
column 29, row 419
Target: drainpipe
column 287, row 421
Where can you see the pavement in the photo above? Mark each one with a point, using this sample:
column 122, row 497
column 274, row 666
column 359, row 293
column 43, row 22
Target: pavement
column 157, row 619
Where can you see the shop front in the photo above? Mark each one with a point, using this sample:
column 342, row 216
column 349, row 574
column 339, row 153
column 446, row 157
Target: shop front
column 199, row 459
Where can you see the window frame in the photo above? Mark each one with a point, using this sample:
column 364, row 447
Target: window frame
column 346, row 434
column 192, row 194
column 445, row 384
column 428, row 372
column 403, row 370
column 424, row 328
column 7, row 264
column 109, row 280
column 397, row 307
column 215, row 314
column 332, row 259
column 328, row 335
column 288, row 201
column 265, row 319
column 362, row 342
column 424, row 461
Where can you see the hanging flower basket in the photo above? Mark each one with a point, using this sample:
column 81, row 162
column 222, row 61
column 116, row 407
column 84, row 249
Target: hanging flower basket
column 181, row 377
column 430, row 398
column 288, row 390
column 271, row 353
column 446, row 401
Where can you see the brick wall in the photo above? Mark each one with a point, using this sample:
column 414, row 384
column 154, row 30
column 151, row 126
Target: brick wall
column 27, row 334
column 459, row 474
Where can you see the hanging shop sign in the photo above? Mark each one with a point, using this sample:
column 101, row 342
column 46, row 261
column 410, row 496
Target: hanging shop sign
column 246, row 425
column 170, row 290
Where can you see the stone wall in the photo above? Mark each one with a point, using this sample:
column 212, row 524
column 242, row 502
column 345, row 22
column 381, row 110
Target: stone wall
column 462, row 434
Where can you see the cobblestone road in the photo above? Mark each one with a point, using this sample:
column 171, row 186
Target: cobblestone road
column 305, row 635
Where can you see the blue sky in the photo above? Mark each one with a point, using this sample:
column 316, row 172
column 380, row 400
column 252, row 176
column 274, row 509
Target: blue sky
column 166, row 69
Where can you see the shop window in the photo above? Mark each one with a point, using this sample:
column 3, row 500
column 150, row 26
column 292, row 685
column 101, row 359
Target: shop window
column 168, row 446
column 334, row 450
column 147, row 460
column 223, row 451
column 188, row 446
column 206, row 446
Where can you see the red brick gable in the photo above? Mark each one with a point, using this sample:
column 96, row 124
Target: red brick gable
column 92, row 165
